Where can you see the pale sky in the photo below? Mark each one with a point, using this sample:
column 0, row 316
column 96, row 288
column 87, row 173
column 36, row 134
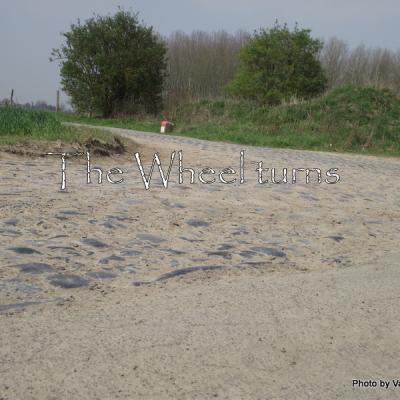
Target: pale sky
column 29, row 29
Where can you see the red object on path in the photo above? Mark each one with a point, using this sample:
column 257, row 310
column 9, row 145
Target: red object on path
column 165, row 124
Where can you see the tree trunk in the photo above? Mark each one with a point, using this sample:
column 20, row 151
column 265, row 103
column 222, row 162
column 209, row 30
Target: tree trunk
column 107, row 108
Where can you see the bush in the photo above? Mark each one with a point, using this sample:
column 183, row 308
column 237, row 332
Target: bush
column 110, row 63
column 278, row 64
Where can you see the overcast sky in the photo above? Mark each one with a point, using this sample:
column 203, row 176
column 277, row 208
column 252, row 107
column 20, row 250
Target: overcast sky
column 29, row 29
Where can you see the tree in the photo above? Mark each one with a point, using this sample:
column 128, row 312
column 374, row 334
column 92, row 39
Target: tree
column 109, row 63
column 200, row 64
column 278, row 64
column 334, row 58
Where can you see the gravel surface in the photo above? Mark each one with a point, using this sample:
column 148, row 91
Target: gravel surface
column 197, row 291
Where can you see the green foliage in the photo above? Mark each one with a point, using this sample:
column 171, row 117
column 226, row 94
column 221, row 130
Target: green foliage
column 27, row 131
column 112, row 62
column 144, row 123
column 278, row 64
column 25, row 122
column 349, row 119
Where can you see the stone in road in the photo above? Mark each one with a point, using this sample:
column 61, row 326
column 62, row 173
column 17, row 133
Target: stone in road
column 278, row 291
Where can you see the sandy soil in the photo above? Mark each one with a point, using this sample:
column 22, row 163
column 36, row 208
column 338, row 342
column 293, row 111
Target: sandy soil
column 198, row 291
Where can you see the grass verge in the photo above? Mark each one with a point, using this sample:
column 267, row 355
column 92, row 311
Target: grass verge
column 349, row 119
column 34, row 132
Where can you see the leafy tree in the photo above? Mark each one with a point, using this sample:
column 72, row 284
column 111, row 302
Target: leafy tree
column 278, row 64
column 110, row 62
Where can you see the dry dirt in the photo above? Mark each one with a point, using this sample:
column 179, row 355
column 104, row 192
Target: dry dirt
column 199, row 291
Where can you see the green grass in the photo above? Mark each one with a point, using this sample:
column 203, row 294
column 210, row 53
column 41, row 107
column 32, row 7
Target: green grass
column 24, row 126
column 145, row 123
column 349, row 119
column 24, row 123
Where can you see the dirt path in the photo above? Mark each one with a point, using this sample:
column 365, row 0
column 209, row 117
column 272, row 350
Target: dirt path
column 241, row 291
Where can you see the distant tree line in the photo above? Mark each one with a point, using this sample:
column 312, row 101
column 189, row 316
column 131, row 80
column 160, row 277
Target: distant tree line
column 116, row 65
column 201, row 64
column 361, row 65
column 37, row 105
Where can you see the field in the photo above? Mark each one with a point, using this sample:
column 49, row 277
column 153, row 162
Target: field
column 27, row 131
column 348, row 119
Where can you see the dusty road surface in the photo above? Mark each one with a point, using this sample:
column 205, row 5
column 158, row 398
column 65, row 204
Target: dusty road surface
column 230, row 291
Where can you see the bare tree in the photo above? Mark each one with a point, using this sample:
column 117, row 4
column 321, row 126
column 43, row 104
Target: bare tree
column 200, row 64
column 334, row 58
column 361, row 66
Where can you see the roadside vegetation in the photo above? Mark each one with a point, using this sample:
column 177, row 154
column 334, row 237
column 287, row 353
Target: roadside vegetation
column 34, row 132
column 278, row 87
column 348, row 119
column 142, row 122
